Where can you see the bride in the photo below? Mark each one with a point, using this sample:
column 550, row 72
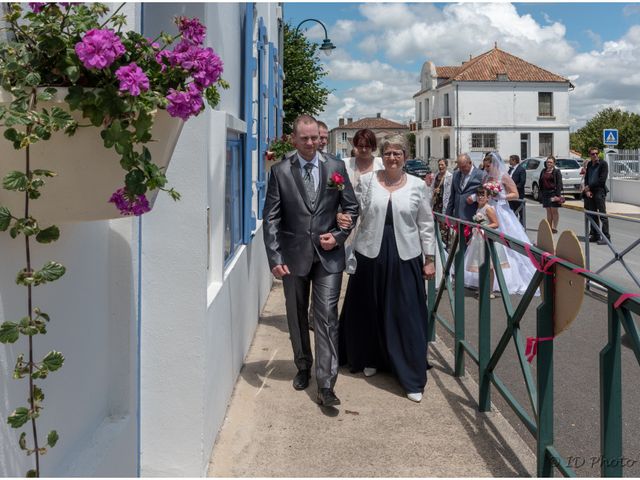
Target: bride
column 521, row 271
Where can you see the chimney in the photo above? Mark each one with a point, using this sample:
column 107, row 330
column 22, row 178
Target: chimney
column 341, row 122
column 378, row 115
column 349, row 120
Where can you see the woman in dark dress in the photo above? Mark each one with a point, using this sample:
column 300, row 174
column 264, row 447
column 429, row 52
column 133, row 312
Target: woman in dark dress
column 383, row 325
column 551, row 191
column 441, row 190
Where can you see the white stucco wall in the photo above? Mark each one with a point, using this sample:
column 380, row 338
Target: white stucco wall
column 91, row 401
column 624, row 191
column 197, row 321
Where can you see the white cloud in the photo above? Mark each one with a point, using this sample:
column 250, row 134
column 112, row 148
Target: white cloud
column 372, row 66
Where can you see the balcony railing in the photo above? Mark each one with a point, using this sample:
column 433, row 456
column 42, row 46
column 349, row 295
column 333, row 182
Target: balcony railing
column 441, row 122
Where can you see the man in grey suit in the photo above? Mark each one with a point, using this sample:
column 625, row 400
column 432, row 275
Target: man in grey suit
column 465, row 182
column 305, row 248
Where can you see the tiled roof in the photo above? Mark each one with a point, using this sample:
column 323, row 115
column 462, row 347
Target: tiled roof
column 487, row 67
column 373, row 123
column 446, row 72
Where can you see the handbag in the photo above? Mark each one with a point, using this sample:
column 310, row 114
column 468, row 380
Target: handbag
column 352, row 261
column 558, row 199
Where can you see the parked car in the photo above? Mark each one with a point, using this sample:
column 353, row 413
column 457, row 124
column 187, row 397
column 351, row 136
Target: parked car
column 571, row 177
column 417, row 167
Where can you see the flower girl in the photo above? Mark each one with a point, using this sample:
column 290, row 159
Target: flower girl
column 474, row 258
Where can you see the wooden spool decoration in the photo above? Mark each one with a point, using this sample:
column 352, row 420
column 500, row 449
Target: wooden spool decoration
column 569, row 286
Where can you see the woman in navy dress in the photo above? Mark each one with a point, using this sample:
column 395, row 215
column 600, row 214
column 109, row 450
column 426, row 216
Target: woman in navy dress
column 384, row 317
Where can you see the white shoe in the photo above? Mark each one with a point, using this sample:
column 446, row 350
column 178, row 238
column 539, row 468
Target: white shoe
column 415, row 397
column 369, row 371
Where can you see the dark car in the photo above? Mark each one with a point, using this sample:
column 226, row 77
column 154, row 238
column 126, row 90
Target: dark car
column 418, row 168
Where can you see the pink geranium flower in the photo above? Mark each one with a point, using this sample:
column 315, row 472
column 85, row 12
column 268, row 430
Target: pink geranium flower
column 99, row 48
column 132, row 79
column 138, row 206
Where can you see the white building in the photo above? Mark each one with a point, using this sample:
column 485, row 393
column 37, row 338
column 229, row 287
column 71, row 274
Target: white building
column 155, row 314
column 495, row 101
column 341, row 137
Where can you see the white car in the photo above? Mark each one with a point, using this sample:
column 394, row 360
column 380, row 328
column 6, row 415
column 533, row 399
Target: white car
column 571, row 178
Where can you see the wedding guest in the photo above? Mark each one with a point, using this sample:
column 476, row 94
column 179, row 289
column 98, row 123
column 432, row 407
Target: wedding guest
column 441, row 185
column 519, row 176
column 365, row 145
column 384, row 318
column 595, row 193
column 551, row 191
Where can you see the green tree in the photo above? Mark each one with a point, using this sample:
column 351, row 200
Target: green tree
column 628, row 125
column 303, row 91
column 411, row 140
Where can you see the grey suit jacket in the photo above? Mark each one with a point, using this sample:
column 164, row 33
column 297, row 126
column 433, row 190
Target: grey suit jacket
column 292, row 227
column 458, row 206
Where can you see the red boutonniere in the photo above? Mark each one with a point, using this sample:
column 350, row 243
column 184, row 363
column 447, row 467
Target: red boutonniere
column 336, row 181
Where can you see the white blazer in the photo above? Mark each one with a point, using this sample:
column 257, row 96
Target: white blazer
column 412, row 218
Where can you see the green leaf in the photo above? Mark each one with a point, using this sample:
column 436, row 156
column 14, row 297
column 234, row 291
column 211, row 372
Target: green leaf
column 53, row 361
column 135, row 182
column 50, row 272
column 15, row 181
column 23, row 441
column 19, row 417
column 12, row 135
column 32, row 79
column 9, row 332
column 52, row 438
column 73, row 73
column 143, row 125
column 38, row 395
column 48, row 235
column 44, row 173
column 5, row 218
column 32, row 474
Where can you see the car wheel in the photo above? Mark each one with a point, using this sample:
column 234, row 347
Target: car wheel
column 535, row 192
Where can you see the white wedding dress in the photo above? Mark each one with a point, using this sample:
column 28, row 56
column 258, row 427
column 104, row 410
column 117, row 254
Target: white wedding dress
column 520, row 271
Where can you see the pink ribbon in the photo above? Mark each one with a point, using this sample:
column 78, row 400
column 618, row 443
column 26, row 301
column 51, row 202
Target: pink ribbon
column 623, row 298
column 531, row 349
column 506, row 242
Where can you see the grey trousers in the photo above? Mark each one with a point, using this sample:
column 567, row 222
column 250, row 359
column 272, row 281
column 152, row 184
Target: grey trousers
column 325, row 289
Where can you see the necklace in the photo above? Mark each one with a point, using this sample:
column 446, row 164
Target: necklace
column 393, row 184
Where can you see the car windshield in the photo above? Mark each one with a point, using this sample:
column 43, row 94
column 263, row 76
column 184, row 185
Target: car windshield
column 567, row 164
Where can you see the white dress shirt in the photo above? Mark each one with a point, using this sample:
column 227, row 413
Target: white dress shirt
column 412, row 218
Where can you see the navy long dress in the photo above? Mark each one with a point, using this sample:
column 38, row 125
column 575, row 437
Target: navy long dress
column 384, row 318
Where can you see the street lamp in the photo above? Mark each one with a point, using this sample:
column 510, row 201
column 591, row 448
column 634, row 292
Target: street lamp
column 327, row 46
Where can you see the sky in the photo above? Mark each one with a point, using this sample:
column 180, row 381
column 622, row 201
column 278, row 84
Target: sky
column 381, row 48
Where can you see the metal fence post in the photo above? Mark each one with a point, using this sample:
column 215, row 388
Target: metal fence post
column 544, row 329
column 459, row 302
column 611, row 399
column 485, row 287
column 431, row 300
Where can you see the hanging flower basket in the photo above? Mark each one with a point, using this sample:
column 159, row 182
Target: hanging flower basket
column 87, row 172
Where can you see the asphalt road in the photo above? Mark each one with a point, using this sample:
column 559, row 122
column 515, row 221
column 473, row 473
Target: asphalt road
column 577, row 350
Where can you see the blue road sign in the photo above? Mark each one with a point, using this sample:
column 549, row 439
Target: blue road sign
column 610, row 136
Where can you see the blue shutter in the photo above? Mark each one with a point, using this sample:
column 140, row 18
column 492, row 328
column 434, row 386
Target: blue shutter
column 273, row 74
column 263, row 114
column 249, row 69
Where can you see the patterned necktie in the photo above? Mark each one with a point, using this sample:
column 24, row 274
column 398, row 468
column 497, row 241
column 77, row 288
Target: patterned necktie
column 308, row 183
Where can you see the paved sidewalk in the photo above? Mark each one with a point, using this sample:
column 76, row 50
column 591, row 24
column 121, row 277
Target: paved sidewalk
column 614, row 208
column 271, row 430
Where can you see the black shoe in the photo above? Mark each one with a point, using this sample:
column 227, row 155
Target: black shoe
column 602, row 241
column 593, row 239
column 301, row 380
column 327, row 398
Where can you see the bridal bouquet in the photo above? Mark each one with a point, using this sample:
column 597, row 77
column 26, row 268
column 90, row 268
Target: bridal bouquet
column 493, row 188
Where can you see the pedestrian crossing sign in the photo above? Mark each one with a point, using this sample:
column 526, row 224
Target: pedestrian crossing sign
column 610, row 136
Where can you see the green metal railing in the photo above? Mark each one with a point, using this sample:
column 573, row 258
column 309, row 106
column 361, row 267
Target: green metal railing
column 539, row 389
